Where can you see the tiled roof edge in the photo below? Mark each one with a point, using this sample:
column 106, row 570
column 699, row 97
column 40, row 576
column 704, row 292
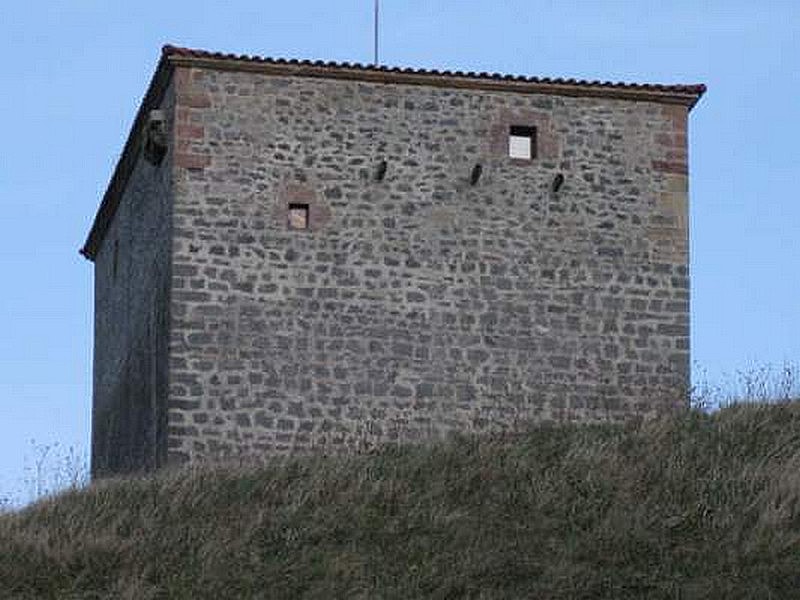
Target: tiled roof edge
column 691, row 92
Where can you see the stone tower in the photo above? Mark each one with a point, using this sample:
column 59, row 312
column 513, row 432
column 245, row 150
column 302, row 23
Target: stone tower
column 295, row 255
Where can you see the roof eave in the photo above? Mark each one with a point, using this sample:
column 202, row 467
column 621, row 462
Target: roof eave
column 124, row 167
column 685, row 95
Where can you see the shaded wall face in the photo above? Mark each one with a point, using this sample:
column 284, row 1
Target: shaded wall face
column 421, row 303
column 131, row 325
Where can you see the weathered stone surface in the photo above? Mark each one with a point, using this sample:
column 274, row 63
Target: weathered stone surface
column 414, row 304
column 131, row 393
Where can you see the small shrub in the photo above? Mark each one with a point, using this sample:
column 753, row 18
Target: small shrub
column 52, row 468
column 761, row 384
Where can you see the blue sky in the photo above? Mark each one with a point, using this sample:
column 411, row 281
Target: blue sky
column 75, row 71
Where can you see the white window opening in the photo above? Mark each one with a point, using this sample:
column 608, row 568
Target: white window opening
column 298, row 216
column 522, row 142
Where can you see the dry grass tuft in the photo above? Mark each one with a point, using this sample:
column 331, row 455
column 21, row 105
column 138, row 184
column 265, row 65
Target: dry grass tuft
column 690, row 505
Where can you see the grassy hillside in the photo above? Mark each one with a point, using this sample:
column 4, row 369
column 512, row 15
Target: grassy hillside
column 688, row 506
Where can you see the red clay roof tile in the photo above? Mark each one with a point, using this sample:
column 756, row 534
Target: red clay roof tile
column 169, row 50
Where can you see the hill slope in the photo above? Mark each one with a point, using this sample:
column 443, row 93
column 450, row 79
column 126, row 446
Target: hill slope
column 688, row 506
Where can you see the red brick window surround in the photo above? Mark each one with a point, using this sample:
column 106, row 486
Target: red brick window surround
column 537, row 131
column 298, row 215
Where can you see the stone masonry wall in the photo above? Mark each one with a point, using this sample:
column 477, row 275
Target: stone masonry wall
column 420, row 304
column 132, row 277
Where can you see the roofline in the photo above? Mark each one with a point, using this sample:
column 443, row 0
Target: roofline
column 172, row 56
column 688, row 95
column 127, row 161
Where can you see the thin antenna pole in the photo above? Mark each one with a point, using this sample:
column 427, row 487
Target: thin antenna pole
column 377, row 9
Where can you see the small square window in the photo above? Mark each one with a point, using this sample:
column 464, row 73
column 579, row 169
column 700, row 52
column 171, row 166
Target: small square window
column 522, row 142
column 298, row 216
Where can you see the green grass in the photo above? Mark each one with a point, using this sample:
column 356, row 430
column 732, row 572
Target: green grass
column 686, row 506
